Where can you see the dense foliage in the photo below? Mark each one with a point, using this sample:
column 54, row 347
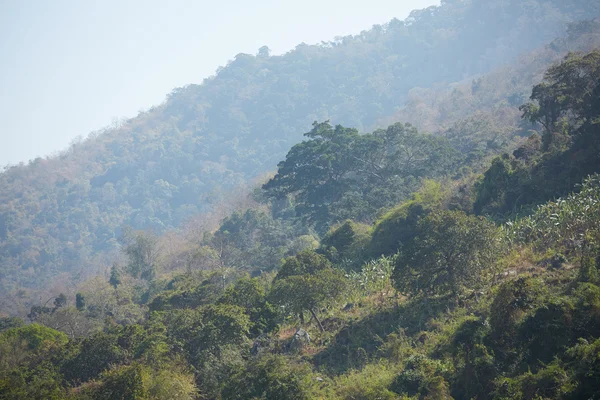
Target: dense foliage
column 64, row 214
column 360, row 270
column 339, row 174
column 567, row 106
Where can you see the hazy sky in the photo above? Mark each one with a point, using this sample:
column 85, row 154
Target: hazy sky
column 70, row 67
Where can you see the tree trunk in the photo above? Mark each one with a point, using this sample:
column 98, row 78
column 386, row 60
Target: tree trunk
column 317, row 319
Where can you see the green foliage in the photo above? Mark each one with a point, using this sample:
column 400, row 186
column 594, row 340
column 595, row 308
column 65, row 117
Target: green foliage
column 94, row 355
column 422, row 377
column 374, row 277
column 142, row 253
column 80, row 302
column 306, row 262
column 585, row 364
column 450, row 251
column 34, row 335
column 123, row 383
column 250, row 294
column 548, row 383
column 172, row 384
column 566, row 105
column 371, row 382
column 269, row 378
column 10, row 322
column 513, row 300
column 208, row 338
column 115, row 276
column 346, row 243
column 587, row 310
column 308, row 289
column 398, row 226
column 547, row 332
column 568, row 93
column 340, row 173
column 38, row 382
column 570, row 222
column 23, row 344
column 252, row 240
column 192, row 295
column 474, row 362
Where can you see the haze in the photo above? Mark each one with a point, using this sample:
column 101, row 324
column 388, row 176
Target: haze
column 72, row 67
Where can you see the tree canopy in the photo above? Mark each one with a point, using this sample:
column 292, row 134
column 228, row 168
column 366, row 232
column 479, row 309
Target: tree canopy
column 450, row 251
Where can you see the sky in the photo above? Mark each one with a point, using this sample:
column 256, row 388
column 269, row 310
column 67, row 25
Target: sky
column 70, row 67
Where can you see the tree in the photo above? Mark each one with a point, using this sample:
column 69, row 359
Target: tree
column 141, row 249
column 60, row 301
column 250, row 294
column 70, row 321
column 10, row 322
column 305, row 262
column 314, row 170
column 123, row 382
column 80, row 302
column 451, row 250
column 115, row 276
column 340, row 174
column 269, row 377
column 398, row 226
column 569, row 93
column 307, row 282
column 208, row 329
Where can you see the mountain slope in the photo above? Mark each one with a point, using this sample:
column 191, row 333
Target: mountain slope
column 65, row 213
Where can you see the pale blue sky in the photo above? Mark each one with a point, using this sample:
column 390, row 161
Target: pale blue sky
column 69, row 67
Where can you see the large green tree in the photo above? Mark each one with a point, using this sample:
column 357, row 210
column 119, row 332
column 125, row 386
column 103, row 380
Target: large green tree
column 567, row 99
column 450, row 251
column 339, row 174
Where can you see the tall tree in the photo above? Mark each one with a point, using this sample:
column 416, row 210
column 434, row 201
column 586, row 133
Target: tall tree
column 339, row 174
column 567, row 98
column 142, row 252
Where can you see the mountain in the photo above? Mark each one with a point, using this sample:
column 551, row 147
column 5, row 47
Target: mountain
column 478, row 285
column 64, row 214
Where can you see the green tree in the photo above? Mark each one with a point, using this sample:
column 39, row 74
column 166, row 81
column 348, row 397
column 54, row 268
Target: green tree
column 511, row 303
column 250, row 294
column 80, row 302
column 41, row 381
column 115, row 276
column 305, row 262
column 93, row 355
column 451, row 250
column 398, row 226
column 307, row 282
column 141, row 249
column 340, row 174
column 568, row 95
column 269, row 377
column 347, row 242
column 22, row 343
column 124, row 382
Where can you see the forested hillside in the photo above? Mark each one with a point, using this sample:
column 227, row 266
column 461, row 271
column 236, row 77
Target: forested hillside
column 64, row 214
column 456, row 275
